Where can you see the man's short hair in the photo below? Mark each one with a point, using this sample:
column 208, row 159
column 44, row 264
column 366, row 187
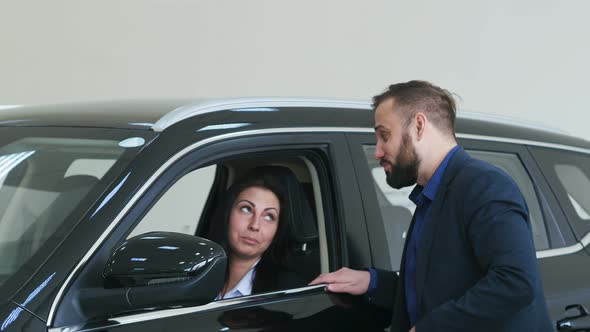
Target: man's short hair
column 421, row 96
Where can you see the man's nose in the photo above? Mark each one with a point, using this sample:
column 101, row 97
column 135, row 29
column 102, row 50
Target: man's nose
column 378, row 152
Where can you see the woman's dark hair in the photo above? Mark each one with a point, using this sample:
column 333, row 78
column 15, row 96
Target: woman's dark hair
column 273, row 259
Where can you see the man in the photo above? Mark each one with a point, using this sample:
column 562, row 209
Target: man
column 469, row 261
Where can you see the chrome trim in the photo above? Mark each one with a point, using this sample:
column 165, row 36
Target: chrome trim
column 526, row 142
column 502, row 140
column 6, row 107
column 209, row 306
column 165, row 313
column 215, row 105
column 560, row 251
column 586, row 240
column 152, row 179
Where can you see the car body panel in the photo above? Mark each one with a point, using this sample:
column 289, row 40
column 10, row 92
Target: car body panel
column 207, row 132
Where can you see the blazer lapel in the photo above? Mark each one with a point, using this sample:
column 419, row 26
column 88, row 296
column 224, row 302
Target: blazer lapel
column 432, row 221
column 400, row 312
column 428, row 232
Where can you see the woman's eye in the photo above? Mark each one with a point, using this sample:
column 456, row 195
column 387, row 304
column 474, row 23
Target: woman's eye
column 245, row 209
column 269, row 217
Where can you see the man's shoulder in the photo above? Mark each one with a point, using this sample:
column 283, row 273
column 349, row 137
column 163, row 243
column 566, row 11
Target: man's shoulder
column 475, row 169
column 479, row 177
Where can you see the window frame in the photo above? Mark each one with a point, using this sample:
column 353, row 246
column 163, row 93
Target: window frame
column 559, row 233
column 579, row 227
column 334, row 165
column 28, row 275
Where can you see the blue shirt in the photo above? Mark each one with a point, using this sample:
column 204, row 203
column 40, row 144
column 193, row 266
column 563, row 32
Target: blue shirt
column 422, row 197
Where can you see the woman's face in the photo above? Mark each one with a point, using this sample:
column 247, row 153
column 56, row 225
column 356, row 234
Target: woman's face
column 253, row 222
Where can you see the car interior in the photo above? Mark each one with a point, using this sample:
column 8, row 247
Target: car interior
column 307, row 257
column 294, row 174
column 39, row 188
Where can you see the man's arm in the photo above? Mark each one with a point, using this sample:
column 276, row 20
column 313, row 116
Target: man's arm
column 502, row 244
column 357, row 282
column 345, row 280
column 383, row 295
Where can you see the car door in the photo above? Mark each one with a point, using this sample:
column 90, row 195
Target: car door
column 388, row 213
column 343, row 241
column 568, row 173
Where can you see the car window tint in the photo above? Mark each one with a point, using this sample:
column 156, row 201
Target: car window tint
column 397, row 209
column 568, row 173
column 511, row 164
column 180, row 207
column 577, row 185
column 93, row 167
column 43, row 180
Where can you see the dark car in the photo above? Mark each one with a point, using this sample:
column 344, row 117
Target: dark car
column 109, row 212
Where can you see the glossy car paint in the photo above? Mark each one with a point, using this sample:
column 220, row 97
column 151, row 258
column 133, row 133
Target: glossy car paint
column 232, row 130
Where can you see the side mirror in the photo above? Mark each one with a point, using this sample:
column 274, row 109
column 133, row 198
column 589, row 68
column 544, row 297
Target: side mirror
column 158, row 269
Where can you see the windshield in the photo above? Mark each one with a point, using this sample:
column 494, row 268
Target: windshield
column 45, row 176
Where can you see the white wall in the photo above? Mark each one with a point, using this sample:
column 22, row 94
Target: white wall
column 527, row 59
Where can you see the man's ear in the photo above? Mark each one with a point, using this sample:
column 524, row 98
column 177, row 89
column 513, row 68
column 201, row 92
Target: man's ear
column 420, row 122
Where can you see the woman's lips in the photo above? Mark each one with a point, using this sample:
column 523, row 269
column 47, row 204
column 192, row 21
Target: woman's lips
column 249, row 240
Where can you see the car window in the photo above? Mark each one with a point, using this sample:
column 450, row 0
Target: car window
column 511, row 164
column 198, row 197
column 577, row 185
column 569, row 175
column 180, row 207
column 397, row 209
column 43, row 181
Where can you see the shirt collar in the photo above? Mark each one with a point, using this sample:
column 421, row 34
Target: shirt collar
column 244, row 286
column 429, row 190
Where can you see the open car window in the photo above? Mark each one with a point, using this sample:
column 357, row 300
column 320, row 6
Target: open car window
column 193, row 205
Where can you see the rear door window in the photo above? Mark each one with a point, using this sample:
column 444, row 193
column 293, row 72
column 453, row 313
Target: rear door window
column 568, row 173
column 397, row 209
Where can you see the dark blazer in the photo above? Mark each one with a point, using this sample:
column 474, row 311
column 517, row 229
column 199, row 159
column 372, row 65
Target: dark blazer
column 476, row 266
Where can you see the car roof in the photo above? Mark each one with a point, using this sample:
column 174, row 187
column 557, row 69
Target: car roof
column 157, row 115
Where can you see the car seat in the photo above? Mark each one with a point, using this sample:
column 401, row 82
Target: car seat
column 303, row 256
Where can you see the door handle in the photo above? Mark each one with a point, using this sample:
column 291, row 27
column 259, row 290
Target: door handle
column 580, row 322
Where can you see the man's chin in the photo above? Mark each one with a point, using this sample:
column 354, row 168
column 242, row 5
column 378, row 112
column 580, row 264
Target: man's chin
column 399, row 184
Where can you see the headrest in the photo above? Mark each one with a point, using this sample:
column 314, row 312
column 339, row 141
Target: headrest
column 75, row 182
column 303, row 226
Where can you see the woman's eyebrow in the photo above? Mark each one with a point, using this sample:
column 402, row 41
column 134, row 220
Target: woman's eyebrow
column 247, row 201
column 272, row 208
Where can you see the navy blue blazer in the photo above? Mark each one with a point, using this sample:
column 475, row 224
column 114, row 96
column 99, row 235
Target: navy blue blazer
column 476, row 266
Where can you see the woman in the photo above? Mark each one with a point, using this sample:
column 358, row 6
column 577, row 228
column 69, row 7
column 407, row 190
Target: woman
column 257, row 238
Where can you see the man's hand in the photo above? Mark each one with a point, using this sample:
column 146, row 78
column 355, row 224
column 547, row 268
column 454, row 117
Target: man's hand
column 345, row 280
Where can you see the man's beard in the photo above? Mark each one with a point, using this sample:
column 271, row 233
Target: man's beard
column 405, row 171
